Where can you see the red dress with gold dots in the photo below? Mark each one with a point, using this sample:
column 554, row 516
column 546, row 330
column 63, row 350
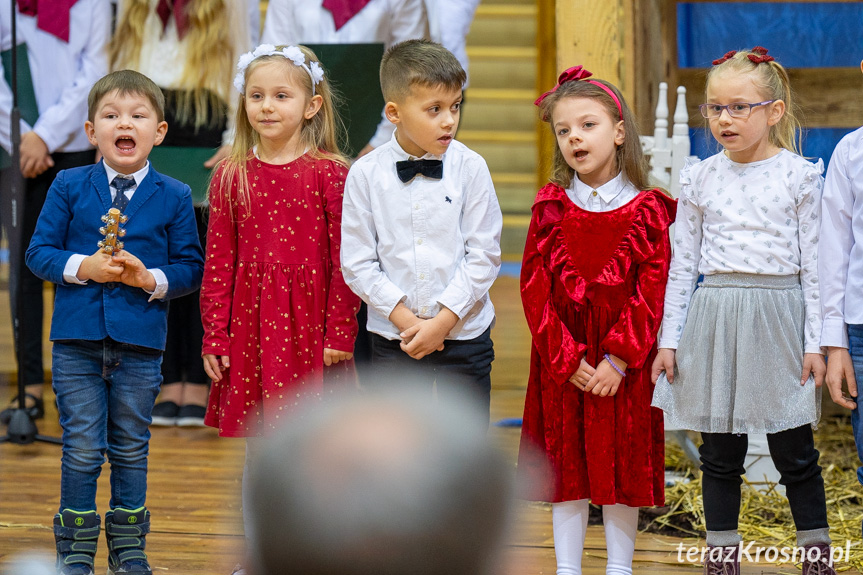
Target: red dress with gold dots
column 273, row 296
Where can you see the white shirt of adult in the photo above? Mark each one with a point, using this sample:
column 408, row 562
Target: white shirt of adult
column 73, row 264
column 757, row 218
column 308, row 22
column 449, row 24
column 840, row 265
column 426, row 243
column 609, row 196
column 62, row 73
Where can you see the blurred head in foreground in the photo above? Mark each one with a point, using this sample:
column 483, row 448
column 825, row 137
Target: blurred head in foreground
column 393, row 483
column 29, row 563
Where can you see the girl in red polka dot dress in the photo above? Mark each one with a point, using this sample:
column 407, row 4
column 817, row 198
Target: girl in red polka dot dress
column 276, row 311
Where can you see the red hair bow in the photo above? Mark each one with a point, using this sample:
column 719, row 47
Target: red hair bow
column 761, row 56
column 758, row 56
column 568, row 75
column 728, row 56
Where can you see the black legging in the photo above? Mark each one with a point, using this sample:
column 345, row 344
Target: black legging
column 794, row 454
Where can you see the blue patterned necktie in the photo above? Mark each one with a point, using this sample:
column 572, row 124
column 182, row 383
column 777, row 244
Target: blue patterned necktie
column 121, row 185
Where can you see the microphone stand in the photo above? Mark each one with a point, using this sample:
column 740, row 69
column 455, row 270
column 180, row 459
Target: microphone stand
column 21, row 429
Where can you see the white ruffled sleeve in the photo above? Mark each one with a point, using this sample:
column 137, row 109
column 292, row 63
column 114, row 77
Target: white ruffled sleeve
column 686, row 254
column 808, row 199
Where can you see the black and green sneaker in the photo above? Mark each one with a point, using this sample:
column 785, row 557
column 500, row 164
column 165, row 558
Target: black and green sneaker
column 126, row 530
column 76, row 534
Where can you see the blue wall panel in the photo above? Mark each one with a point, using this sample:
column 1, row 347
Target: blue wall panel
column 817, row 142
column 798, row 34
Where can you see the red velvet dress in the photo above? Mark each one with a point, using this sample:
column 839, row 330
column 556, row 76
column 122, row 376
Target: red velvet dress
column 594, row 283
column 273, row 296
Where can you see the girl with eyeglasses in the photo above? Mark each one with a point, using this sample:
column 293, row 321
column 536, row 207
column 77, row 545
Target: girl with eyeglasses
column 742, row 353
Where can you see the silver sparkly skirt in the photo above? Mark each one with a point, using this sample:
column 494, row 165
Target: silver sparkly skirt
column 740, row 358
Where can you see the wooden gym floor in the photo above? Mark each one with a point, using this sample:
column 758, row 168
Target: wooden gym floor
column 194, row 483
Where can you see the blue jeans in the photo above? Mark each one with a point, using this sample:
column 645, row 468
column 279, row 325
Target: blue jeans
column 105, row 395
column 855, row 347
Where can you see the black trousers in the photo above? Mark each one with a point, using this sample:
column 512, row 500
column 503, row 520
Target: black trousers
column 182, row 358
column 463, row 368
column 794, row 454
column 30, row 308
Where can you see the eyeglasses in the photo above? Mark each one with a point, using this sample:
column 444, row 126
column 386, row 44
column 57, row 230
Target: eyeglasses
column 735, row 110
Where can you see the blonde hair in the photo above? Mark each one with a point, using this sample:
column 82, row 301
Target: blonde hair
column 771, row 79
column 209, row 61
column 420, row 62
column 320, row 134
column 629, row 157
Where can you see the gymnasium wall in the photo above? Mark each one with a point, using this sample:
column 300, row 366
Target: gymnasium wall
column 821, row 44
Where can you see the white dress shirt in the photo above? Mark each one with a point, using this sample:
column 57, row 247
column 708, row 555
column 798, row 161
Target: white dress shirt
column 163, row 54
column 449, row 24
column 611, row 195
column 756, row 218
column 62, row 73
column 73, row 264
column 427, row 243
column 840, row 264
column 380, row 21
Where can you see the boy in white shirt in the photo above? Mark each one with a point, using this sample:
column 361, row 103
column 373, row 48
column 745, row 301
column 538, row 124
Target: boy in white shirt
column 421, row 229
column 840, row 269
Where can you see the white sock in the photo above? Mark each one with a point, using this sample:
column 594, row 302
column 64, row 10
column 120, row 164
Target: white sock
column 621, row 525
column 569, row 522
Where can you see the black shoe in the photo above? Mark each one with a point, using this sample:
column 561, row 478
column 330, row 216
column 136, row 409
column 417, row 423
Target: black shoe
column 191, row 416
column 36, row 411
column 165, row 413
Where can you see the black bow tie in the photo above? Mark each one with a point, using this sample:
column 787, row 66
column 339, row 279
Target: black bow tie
column 407, row 169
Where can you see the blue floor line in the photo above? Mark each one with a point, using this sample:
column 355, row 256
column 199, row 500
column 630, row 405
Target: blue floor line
column 511, row 269
column 508, row 422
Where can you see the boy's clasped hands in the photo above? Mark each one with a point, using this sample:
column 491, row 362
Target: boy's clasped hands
column 421, row 337
column 121, row 267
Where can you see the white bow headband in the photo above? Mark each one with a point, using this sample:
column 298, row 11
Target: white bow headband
column 292, row 53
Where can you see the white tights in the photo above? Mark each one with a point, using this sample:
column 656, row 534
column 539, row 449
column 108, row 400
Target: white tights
column 569, row 520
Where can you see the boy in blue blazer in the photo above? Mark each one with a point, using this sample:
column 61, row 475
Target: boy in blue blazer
column 109, row 319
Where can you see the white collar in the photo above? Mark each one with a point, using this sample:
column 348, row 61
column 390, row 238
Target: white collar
column 607, row 191
column 139, row 175
column 402, row 155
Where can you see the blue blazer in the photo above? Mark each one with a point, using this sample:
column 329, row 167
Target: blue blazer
column 161, row 232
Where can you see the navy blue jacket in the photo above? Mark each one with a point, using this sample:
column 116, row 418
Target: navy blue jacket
column 161, row 232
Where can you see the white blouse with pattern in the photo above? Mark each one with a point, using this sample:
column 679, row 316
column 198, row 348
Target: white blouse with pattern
column 759, row 218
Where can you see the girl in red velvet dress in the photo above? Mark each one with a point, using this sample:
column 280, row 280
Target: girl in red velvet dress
column 592, row 284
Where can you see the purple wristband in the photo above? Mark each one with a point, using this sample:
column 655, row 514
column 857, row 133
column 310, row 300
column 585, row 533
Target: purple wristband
column 614, row 365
